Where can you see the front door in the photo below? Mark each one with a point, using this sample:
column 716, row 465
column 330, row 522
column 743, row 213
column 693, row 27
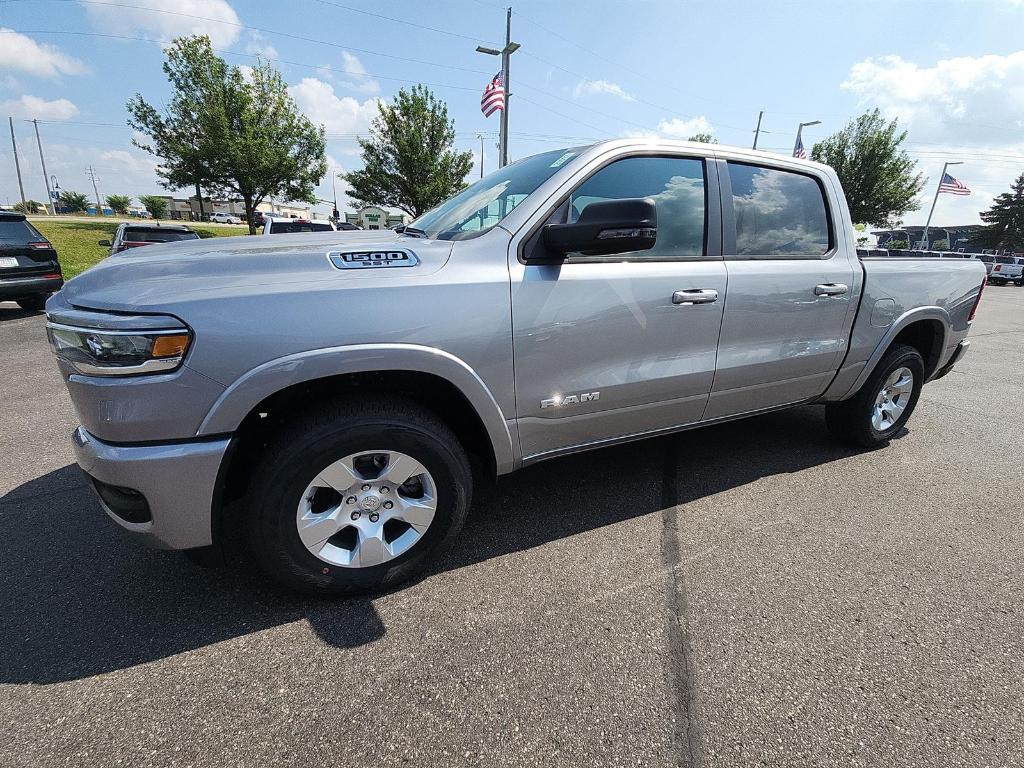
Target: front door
column 791, row 291
column 613, row 346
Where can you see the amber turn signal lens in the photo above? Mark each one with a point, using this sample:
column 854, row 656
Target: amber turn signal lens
column 170, row 346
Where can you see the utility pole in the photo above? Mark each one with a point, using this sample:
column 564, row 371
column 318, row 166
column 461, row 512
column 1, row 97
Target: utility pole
column 17, row 167
column 924, row 237
column 757, row 131
column 99, row 205
column 505, row 54
column 481, row 137
column 46, row 177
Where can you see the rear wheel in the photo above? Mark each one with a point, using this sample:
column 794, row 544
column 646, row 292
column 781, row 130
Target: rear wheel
column 33, row 303
column 357, row 498
column 883, row 405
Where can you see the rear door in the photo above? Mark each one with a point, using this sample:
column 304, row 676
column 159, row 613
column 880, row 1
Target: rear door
column 602, row 349
column 791, row 289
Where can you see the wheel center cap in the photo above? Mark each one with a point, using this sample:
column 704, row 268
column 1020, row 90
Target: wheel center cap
column 370, row 503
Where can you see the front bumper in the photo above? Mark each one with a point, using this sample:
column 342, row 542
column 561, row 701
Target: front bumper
column 20, row 287
column 176, row 480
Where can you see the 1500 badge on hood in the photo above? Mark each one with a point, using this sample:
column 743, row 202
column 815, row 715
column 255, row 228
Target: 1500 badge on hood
column 369, row 259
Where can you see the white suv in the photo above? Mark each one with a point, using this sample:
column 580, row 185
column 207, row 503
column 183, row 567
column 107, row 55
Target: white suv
column 224, row 218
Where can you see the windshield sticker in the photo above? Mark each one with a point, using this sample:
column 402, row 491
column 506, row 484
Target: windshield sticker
column 563, row 159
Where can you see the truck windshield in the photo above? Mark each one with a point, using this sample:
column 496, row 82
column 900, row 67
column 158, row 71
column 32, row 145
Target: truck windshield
column 481, row 206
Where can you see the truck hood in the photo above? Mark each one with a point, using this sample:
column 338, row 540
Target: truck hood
column 152, row 277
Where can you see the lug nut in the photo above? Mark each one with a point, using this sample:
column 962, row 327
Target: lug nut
column 384, row 489
column 388, row 505
column 350, row 500
column 356, row 515
column 366, row 487
column 374, row 517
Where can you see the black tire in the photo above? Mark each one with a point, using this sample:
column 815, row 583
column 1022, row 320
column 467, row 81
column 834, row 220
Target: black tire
column 850, row 420
column 310, row 443
column 33, row 303
column 1019, row 283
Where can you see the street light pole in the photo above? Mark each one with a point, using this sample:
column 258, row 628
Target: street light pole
column 481, row 137
column 505, row 54
column 17, row 168
column 757, row 131
column 42, row 162
column 799, row 132
column 924, row 237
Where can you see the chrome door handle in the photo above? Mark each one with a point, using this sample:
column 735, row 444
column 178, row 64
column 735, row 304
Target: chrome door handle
column 830, row 289
column 695, row 296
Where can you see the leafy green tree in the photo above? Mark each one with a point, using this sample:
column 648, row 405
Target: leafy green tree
column 703, row 138
column 1005, row 219
column 30, row 207
column 73, row 202
column 155, row 204
column 898, row 244
column 940, row 245
column 239, row 135
column 877, row 175
column 409, row 162
column 119, row 204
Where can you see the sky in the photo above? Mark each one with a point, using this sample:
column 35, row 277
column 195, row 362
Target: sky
column 951, row 71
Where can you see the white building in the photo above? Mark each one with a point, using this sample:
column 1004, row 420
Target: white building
column 375, row 217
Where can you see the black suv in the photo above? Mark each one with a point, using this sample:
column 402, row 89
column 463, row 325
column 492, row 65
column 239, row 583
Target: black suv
column 29, row 270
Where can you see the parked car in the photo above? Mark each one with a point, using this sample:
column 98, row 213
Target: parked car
column 1007, row 269
column 291, row 226
column 29, row 269
column 347, row 227
column 136, row 235
column 224, row 218
column 323, row 399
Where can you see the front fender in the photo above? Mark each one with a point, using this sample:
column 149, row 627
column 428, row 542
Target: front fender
column 238, row 400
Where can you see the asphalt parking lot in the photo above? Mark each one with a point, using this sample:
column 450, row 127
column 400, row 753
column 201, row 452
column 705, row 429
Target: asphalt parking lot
column 750, row 594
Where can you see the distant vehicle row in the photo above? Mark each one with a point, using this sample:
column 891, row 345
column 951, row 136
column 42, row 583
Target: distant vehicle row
column 1001, row 269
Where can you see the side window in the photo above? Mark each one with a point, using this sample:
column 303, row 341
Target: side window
column 677, row 186
column 778, row 213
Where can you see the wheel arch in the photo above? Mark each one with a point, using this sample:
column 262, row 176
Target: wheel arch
column 924, row 328
column 455, row 387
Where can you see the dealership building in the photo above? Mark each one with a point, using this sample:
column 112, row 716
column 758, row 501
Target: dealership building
column 963, row 238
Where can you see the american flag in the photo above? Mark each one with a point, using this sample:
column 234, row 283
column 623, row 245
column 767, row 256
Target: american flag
column 953, row 186
column 494, row 96
column 798, row 150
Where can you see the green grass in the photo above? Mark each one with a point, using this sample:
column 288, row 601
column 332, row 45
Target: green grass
column 77, row 241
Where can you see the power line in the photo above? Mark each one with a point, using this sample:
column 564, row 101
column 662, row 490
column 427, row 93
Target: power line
column 398, row 21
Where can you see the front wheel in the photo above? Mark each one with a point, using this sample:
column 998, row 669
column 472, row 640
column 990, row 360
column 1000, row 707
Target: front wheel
column 355, row 498
column 883, row 405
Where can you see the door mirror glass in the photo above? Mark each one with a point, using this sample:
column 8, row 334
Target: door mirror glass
column 104, row 243
column 606, row 227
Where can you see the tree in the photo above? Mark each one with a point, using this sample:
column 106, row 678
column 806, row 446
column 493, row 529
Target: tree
column 703, row 138
column 940, row 245
column 155, row 204
column 240, row 134
column 73, row 202
column 408, row 161
column 877, row 176
column 898, row 245
column 1005, row 219
column 30, row 207
column 119, row 204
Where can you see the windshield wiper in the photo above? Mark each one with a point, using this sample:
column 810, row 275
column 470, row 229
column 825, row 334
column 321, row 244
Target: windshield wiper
column 405, row 229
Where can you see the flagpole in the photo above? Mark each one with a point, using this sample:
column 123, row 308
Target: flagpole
column 505, row 52
column 924, row 237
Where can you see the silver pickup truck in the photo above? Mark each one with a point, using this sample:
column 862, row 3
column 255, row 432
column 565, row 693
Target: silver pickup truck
column 334, row 390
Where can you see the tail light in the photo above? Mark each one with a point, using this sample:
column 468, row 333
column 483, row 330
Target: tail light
column 977, row 301
column 997, row 267
column 40, row 245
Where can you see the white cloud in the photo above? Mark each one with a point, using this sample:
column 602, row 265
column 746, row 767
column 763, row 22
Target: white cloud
column 358, row 79
column 34, row 107
column 963, row 100
column 597, row 87
column 339, row 115
column 168, row 19
column 23, row 54
column 676, row 128
column 259, row 46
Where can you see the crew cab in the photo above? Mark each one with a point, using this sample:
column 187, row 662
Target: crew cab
column 323, row 397
column 29, row 269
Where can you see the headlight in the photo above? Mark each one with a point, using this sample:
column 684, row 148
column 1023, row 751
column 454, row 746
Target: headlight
column 101, row 352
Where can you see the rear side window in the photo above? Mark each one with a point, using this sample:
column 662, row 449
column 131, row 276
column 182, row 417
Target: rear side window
column 1004, row 260
column 677, row 186
column 18, row 231
column 778, row 213
column 144, row 235
column 289, row 227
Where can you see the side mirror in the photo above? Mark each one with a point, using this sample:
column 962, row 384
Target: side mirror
column 611, row 226
column 104, row 243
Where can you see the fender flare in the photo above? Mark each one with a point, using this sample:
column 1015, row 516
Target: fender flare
column 238, row 400
column 904, row 320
